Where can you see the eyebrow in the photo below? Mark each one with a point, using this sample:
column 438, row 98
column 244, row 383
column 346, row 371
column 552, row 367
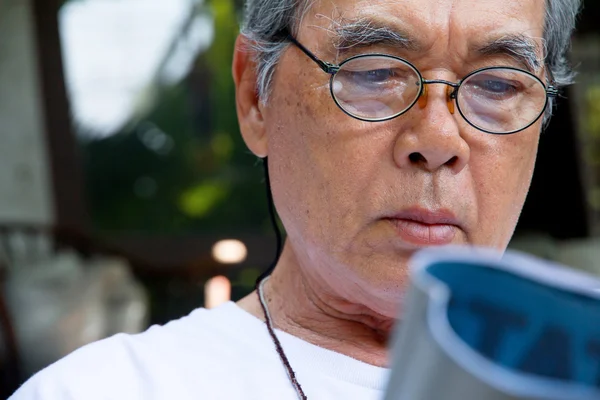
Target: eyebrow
column 365, row 32
column 521, row 48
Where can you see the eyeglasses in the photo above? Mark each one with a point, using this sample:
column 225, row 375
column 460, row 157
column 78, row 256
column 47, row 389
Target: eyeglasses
column 379, row 87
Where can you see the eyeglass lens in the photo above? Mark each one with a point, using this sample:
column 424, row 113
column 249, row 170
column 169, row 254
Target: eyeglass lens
column 496, row 100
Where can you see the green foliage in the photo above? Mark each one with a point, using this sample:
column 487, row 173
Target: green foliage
column 594, row 198
column 203, row 179
column 593, row 111
column 198, row 201
column 592, row 147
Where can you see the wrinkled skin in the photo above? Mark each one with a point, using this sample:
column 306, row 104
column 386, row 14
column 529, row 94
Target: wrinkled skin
column 335, row 180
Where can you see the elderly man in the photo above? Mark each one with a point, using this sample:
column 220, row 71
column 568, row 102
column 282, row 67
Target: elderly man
column 389, row 126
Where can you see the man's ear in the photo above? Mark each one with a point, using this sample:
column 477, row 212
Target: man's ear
column 249, row 108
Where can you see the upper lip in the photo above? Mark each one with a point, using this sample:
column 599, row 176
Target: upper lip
column 440, row 216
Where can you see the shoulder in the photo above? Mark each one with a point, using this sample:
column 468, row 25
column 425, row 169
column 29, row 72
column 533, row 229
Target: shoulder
column 125, row 366
column 79, row 375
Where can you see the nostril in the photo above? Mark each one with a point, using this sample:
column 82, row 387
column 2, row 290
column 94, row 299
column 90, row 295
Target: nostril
column 416, row 158
column 452, row 161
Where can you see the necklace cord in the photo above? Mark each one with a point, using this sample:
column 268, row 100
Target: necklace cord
column 277, row 343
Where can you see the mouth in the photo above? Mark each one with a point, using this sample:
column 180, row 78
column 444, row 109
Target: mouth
column 419, row 227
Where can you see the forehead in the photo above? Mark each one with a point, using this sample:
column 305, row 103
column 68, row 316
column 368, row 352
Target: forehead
column 433, row 21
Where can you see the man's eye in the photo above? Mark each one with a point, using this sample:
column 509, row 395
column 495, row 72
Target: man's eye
column 496, row 86
column 374, row 75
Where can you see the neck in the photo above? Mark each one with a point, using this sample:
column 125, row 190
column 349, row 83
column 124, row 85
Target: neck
column 306, row 307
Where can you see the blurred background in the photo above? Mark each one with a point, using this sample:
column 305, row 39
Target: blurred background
column 127, row 197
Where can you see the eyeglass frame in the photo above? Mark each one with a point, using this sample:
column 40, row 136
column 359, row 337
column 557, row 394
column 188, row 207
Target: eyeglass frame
column 333, row 69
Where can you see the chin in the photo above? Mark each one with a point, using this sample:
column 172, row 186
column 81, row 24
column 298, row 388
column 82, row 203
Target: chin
column 384, row 281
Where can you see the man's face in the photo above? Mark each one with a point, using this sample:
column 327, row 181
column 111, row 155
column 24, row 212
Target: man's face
column 358, row 198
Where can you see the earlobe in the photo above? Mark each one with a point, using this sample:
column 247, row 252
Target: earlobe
column 249, row 108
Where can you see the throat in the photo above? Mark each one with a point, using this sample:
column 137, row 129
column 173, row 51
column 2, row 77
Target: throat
column 351, row 338
column 334, row 325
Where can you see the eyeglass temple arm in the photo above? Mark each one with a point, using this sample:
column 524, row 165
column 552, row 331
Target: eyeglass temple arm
column 324, row 65
column 552, row 91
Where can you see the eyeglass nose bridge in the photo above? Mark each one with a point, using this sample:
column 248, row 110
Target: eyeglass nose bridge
column 451, row 92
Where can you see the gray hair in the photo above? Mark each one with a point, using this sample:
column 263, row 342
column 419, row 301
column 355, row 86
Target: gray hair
column 265, row 19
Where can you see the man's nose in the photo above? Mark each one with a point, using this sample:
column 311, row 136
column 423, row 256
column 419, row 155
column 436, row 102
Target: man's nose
column 431, row 140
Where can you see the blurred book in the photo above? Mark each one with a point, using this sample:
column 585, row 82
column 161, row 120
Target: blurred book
column 482, row 325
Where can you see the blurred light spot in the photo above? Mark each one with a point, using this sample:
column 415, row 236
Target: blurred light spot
column 217, row 291
column 145, row 187
column 155, row 139
column 229, row 252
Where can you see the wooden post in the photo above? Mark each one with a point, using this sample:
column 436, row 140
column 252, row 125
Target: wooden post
column 65, row 165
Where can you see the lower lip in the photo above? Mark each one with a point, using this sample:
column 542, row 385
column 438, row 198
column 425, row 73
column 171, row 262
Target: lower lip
column 420, row 234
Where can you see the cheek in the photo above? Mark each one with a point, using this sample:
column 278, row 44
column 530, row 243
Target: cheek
column 302, row 157
column 502, row 178
column 322, row 166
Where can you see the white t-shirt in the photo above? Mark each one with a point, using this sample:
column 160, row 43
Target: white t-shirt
column 224, row 353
